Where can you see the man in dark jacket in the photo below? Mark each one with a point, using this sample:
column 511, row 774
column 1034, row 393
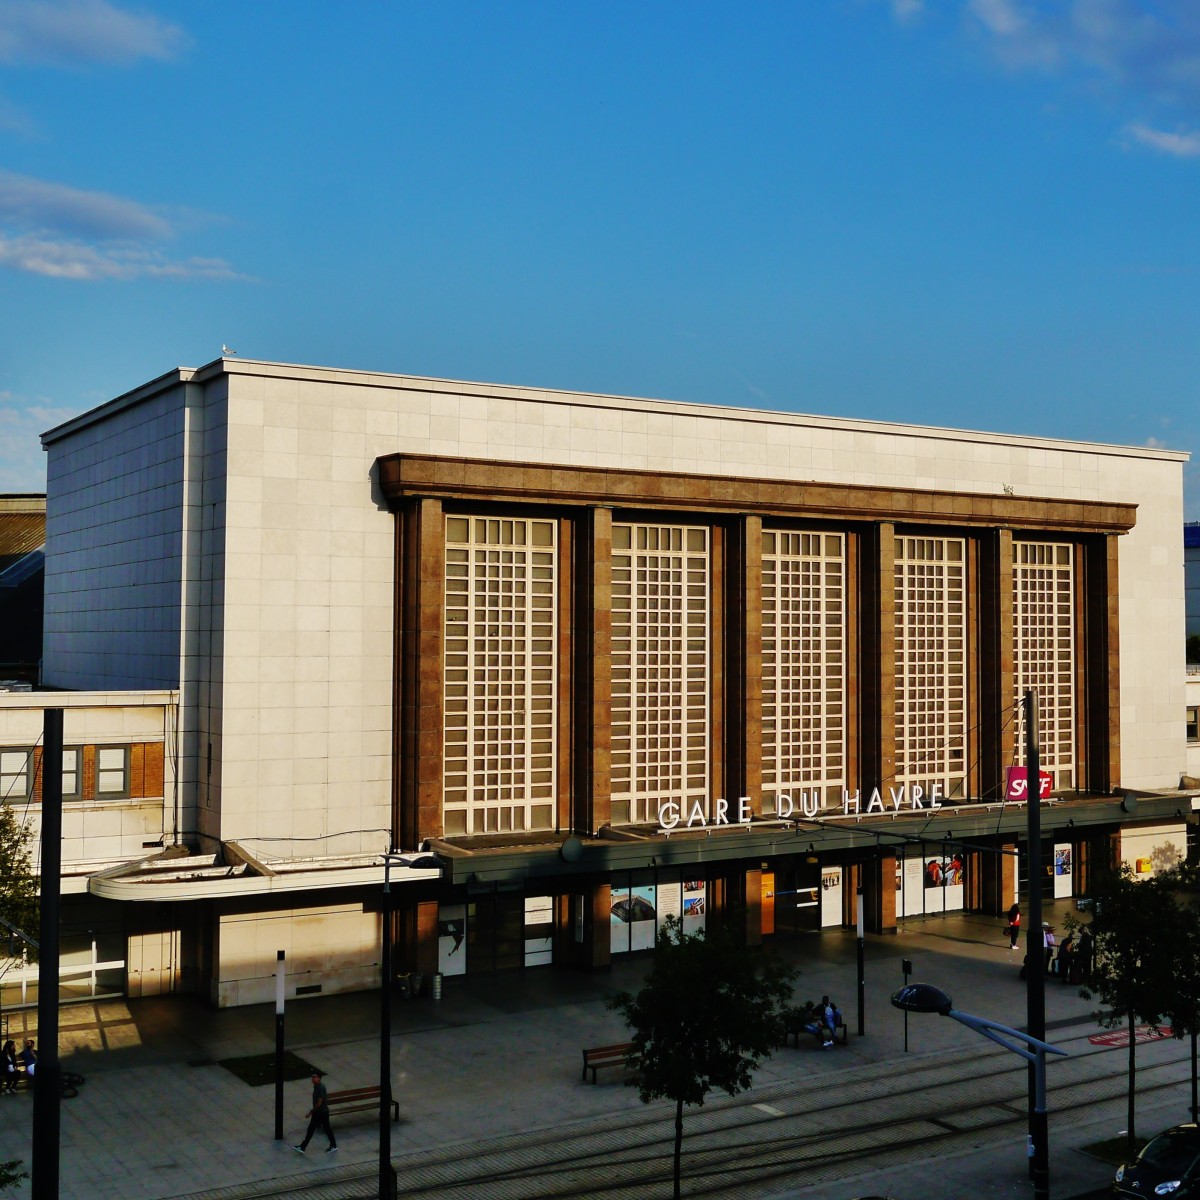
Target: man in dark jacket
column 318, row 1116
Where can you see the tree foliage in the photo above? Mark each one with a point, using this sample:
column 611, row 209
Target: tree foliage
column 11, row 1174
column 1139, row 928
column 708, row 1013
column 18, row 886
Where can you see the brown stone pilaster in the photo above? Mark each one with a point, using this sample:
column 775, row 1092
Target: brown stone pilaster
column 873, row 671
column 743, row 662
column 592, row 705
column 753, row 886
column 597, row 939
column 1100, row 693
column 998, row 729
column 879, row 894
column 423, row 588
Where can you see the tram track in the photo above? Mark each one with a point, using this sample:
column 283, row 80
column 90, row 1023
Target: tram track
column 807, row 1131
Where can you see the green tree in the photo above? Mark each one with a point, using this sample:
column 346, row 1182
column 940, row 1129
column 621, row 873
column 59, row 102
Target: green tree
column 18, row 890
column 708, row 1013
column 1138, row 927
column 1181, row 1005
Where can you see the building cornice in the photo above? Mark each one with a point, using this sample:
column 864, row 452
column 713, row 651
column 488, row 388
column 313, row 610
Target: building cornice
column 403, row 476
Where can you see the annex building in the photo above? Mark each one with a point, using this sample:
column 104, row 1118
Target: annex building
column 590, row 660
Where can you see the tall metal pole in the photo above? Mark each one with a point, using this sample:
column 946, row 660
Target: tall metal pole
column 280, row 979
column 862, row 973
column 1039, row 1129
column 386, row 1190
column 47, row 1080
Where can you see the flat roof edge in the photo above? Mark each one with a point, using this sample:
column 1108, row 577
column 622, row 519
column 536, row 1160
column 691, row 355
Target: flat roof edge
column 126, row 400
column 264, row 368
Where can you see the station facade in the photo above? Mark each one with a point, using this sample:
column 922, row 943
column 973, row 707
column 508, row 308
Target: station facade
column 591, row 661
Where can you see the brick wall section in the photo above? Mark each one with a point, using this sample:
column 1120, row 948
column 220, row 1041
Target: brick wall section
column 146, row 773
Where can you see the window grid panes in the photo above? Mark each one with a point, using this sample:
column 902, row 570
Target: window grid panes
column 15, row 772
column 660, row 670
column 112, row 770
column 1044, row 650
column 71, row 772
column 804, row 665
column 501, row 631
column 931, row 663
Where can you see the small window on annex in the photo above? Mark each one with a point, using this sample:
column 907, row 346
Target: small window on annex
column 72, row 772
column 112, row 771
column 16, row 772
column 1193, row 723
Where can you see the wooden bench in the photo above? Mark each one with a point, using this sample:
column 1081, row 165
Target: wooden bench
column 619, row 1055
column 359, row 1100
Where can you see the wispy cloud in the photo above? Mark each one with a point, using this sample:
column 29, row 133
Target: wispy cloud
column 66, row 32
column 36, row 203
column 22, row 421
column 69, row 233
column 1141, row 57
column 77, row 260
column 1178, row 145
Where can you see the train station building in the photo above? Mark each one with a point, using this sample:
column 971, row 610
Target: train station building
column 588, row 661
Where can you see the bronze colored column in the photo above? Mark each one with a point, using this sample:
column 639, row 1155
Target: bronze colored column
column 593, row 672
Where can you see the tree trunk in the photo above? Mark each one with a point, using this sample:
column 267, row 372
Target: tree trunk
column 1129, row 1117
column 678, row 1142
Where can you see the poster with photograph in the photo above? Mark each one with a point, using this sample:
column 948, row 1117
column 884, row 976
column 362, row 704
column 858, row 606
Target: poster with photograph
column 644, row 922
column 1062, row 870
column 618, row 919
column 452, row 939
column 693, row 905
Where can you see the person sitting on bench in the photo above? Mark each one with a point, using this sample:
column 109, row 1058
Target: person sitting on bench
column 831, row 1018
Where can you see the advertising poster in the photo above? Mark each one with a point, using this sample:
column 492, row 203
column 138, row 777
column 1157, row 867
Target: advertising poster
column 618, row 919
column 670, row 900
column 539, row 930
column 831, row 896
column 1062, row 870
column 452, row 939
column 693, row 905
column 644, row 921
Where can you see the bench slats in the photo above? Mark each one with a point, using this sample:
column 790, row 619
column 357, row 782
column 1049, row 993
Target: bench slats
column 617, row 1055
column 359, row 1100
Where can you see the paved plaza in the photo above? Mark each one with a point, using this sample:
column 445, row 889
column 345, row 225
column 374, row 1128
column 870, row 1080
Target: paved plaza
column 492, row 1070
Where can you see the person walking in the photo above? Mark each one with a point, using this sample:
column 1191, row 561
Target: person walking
column 1014, row 926
column 318, row 1116
column 8, row 1064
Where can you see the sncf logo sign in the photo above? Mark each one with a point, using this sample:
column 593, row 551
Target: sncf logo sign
column 1016, row 783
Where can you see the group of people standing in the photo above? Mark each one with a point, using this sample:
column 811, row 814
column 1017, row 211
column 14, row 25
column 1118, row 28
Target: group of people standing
column 14, row 1065
column 1073, row 961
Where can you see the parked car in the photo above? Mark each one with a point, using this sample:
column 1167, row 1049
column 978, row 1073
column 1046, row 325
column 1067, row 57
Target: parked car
column 1167, row 1165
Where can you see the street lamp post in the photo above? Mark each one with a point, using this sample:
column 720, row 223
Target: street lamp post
column 387, row 1177
column 925, row 998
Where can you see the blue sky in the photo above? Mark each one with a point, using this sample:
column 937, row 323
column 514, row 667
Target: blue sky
column 974, row 213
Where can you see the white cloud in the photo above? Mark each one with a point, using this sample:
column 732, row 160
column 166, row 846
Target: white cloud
column 1178, row 145
column 83, row 31
column 28, row 203
column 22, row 422
column 1148, row 50
column 907, row 11
column 67, row 233
column 119, row 261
